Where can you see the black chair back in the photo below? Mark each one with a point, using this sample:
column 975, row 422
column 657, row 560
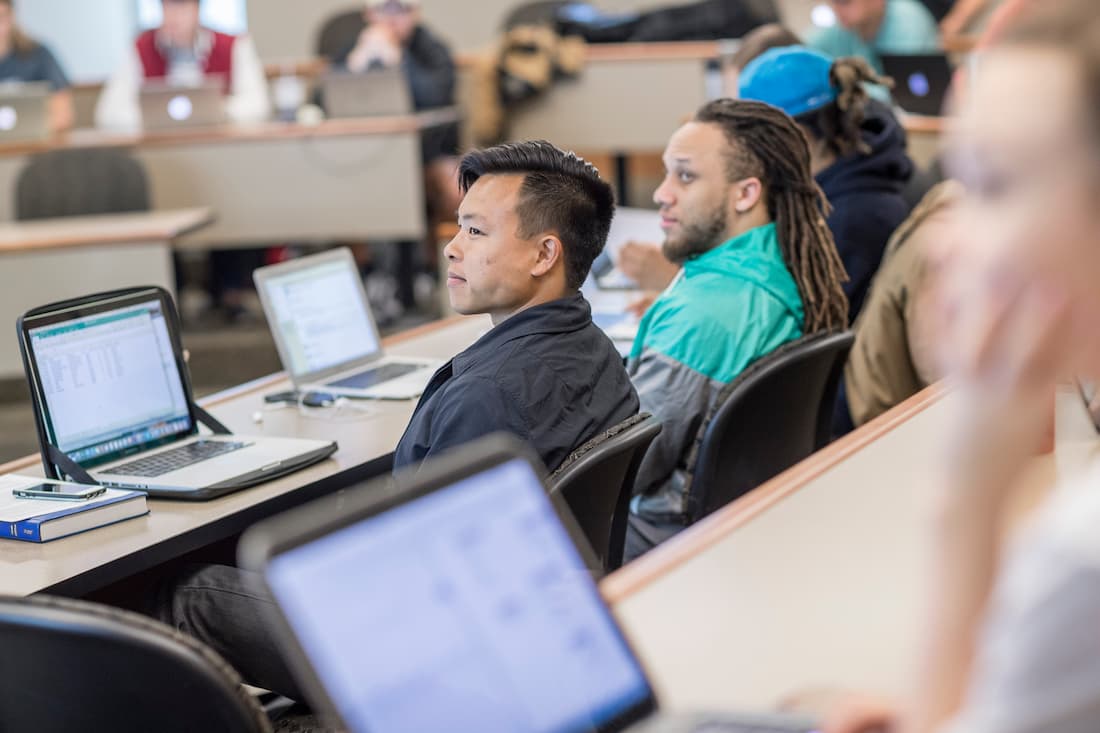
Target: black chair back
column 340, row 33
column 776, row 413
column 597, row 481
column 79, row 182
column 70, row 666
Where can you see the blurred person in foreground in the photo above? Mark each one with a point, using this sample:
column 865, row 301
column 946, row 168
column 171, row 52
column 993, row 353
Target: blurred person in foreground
column 1010, row 640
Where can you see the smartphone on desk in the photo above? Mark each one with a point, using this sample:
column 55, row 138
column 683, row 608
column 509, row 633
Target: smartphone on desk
column 60, row 492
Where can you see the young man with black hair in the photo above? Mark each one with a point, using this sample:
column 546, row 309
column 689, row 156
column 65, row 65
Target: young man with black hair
column 533, row 219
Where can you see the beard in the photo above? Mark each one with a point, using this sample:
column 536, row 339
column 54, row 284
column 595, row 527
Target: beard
column 696, row 238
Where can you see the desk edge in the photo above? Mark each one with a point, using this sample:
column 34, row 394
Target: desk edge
column 696, row 540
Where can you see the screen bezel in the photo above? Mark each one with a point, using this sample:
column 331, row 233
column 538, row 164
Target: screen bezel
column 286, row 532
column 90, row 306
column 343, row 256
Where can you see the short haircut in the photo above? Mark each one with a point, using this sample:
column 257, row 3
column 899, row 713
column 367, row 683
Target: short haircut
column 759, row 40
column 560, row 193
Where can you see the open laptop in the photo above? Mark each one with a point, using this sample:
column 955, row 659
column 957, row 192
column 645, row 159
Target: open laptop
column 111, row 392
column 375, row 93
column 170, row 107
column 921, row 82
column 458, row 600
column 325, row 333
column 24, row 112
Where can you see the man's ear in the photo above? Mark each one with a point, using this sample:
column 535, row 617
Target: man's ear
column 746, row 195
column 547, row 255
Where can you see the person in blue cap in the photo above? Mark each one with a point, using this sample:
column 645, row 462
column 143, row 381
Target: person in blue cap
column 858, row 150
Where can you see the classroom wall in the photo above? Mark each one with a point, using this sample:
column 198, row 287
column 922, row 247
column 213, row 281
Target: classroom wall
column 287, row 29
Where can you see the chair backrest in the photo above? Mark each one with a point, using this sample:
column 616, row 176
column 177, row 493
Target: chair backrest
column 597, row 481
column 539, row 12
column 776, row 413
column 340, row 33
column 70, row 665
column 77, row 182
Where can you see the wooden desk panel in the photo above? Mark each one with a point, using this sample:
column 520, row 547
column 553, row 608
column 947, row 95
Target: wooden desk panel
column 815, row 579
column 89, row 231
column 80, row 564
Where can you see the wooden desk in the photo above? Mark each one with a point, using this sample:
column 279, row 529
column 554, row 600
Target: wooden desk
column 78, row 565
column 924, row 137
column 275, row 182
column 52, row 259
column 814, row 579
column 629, row 99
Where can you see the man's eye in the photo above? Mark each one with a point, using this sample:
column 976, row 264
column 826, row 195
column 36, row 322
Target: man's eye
column 685, row 177
column 475, row 232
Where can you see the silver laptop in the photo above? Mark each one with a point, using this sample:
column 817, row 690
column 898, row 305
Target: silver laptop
column 110, row 390
column 24, row 112
column 324, row 330
column 375, row 93
column 169, row 107
column 457, row 600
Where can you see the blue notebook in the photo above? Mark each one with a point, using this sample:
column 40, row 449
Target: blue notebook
column 43, row 520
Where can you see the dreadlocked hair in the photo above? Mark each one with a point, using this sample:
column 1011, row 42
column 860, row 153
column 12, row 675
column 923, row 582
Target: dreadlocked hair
column 767, row 144
column 837, row 124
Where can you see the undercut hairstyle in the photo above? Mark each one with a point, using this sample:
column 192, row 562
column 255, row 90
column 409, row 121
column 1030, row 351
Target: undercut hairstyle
column 561, row 193
column 759, row 40
column 1072, row 27
column 765, row 143
column 836, row 126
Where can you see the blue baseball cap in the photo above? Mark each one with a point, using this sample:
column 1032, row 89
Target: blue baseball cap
column 794, row 79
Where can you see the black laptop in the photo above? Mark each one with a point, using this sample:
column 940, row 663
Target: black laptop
column 457, row 601
column 921, row 82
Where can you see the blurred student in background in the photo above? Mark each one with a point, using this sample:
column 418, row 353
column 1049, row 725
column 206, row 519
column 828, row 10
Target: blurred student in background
column 867, row 28
column 23, row 59
column 395, row 36
column 182, row 52
column 857, row 147
column 1010, row 642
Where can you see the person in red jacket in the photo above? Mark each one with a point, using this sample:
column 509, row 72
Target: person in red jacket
column 181, row 51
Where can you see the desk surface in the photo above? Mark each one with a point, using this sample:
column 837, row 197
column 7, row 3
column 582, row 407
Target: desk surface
column 260, row 132
column 816, row 578
column 77, row 565
column 76, row 231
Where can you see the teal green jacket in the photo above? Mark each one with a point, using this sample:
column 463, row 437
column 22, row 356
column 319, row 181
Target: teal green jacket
column 726, row 309
column 907, row 28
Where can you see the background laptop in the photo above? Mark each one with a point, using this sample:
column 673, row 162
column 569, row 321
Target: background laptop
column 110, row 390
column 921, row 82
column 24, row 112
column 375, row 93
column 458, row 601
column 325, row 333
column 169, row 107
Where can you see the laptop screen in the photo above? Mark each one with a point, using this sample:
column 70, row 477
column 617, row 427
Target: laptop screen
column 110, row 382
column 321, row 317
column 466, row 609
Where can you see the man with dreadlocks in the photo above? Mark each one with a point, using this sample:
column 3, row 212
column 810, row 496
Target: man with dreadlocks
column 743, row 216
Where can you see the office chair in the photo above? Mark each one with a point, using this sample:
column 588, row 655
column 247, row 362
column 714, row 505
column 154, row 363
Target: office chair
column 776, row 413
column 597, row 481
column 79, row 182
column 340, row 33
column 71, row 665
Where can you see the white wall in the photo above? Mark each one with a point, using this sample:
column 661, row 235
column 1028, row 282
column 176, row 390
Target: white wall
column 88, row 36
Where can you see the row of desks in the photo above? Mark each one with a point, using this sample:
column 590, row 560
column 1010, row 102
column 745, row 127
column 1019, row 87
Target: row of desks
column 813, row 579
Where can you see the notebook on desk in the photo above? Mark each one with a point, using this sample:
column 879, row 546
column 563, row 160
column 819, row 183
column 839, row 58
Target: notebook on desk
column 324, row 330
column 374, row 93
column 113, row 405
column 169, row 107
column 42, row 520
column 458, row 600
column 921, row 82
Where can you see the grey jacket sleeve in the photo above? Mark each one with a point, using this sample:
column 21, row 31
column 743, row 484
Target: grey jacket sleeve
column 680, row 398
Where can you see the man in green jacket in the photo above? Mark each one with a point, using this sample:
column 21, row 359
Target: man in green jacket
column 743, row 216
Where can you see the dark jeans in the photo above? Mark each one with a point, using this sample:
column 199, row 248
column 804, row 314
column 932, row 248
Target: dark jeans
column 228, row 610
column 643, row 535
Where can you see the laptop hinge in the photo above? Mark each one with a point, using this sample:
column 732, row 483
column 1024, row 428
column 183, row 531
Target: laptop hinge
column 210, row 421
column 68, row 466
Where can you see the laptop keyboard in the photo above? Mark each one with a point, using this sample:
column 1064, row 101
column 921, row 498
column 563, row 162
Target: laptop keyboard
column 177, row 458
column 373, row 377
